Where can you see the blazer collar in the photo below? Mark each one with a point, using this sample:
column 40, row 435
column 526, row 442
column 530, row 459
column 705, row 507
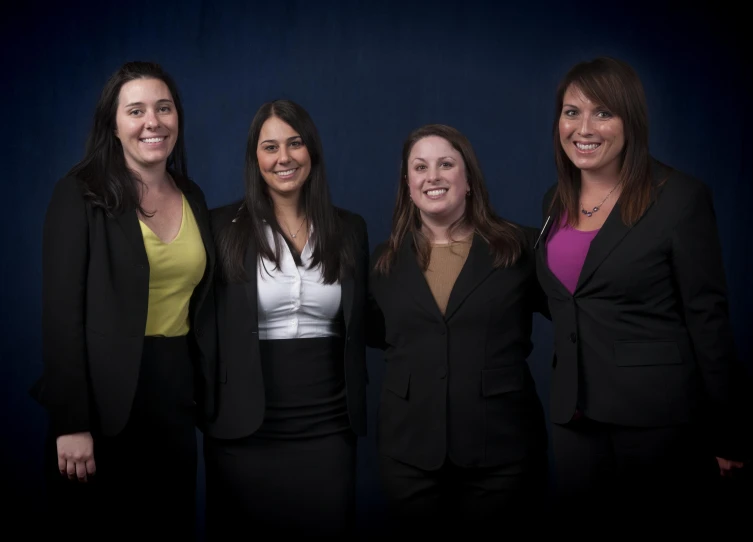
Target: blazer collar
column 477, row 267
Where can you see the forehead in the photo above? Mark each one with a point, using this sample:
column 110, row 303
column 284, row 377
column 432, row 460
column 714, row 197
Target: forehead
column 144, row 90
column 276, row 128
column 433, row 147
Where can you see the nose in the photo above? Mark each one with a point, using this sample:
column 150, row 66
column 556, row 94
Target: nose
column 585, row 126
column 432, row 174
column 284, row 157
column 152, row 121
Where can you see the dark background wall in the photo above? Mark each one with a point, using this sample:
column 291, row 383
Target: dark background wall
column 368, row 72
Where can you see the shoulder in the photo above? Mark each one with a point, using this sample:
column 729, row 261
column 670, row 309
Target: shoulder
column 221, row 217
column 679, row 189
column 525, row 234
column 350, row 218
column 547, row 199
column 194, row 189
column 68, row 193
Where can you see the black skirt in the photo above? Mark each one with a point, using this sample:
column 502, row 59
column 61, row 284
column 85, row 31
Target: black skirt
column 296, row 474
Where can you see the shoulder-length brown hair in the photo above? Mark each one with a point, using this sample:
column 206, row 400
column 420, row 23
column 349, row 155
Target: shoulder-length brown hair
column 614, row 85
column 505, row 239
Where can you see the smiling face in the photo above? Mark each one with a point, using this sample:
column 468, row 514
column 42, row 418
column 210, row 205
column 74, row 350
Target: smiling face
column 283, row 158
column 146, row 123
column 592, row 137
column 437, row 180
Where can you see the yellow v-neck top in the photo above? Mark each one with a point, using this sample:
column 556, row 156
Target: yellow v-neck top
column 175, row 269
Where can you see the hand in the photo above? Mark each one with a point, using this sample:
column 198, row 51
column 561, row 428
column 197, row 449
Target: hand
column 727, row 467
column 76, row 456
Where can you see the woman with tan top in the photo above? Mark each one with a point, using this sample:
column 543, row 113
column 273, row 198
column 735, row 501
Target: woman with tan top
column 461, row 433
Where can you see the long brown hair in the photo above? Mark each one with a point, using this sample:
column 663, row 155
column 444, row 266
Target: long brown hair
column 504, row 238
column 334, row 245
column 614, row 85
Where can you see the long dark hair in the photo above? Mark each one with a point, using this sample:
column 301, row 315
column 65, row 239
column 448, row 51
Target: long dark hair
column 106, row 180
column 334, row 246
column 504, row 238
column 615, row 85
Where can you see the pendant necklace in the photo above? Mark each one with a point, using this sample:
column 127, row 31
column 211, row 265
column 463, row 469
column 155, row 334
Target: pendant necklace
column 597, row 207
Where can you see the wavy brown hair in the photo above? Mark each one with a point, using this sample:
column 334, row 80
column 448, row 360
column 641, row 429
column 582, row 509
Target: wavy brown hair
column 505, row 239
column 616, row 86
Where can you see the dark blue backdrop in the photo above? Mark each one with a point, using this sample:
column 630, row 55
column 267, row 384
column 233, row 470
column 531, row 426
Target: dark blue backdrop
column 368, row 72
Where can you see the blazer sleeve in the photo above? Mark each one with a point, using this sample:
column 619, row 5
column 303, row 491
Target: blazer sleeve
column 375, row 329
column 538, row 300
column 699, row 274
column 65, row 253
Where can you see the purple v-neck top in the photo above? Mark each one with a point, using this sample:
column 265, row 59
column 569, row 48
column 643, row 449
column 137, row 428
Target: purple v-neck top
column 566, row 252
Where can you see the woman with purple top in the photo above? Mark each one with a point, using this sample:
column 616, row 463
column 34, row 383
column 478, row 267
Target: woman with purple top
column 646, row 389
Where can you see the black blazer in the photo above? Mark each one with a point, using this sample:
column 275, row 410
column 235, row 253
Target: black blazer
column 457, row 384
column 240, row 389
column 645, row 339
column 95, row 293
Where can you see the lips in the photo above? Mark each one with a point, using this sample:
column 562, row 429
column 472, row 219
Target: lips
column 154, row 140
column 287, row 173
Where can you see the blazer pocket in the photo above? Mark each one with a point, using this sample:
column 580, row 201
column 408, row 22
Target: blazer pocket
column 646, row 353
column 501, row 380
column 397, row 381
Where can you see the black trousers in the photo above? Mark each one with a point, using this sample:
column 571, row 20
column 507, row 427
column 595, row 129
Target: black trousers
column 634, row 476
column 145, row 484
column 464, row 501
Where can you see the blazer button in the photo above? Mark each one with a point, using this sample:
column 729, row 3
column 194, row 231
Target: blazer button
column 573, row 337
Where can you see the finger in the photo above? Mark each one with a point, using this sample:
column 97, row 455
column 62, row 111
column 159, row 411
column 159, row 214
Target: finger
column 81, row 471
column 61, row 465
column 70, row 470
column 91, row 467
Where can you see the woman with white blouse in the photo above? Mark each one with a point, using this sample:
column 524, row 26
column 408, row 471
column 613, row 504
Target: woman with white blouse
column 281, row 452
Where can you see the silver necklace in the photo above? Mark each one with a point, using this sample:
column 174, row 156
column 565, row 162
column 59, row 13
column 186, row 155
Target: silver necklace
column 597, row 207
column 293, row 235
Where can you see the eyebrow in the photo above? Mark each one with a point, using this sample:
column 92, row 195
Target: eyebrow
column 275, row 141
column 440, row 158
column 163, row 100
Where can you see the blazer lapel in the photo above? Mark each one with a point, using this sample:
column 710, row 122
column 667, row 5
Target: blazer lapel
column 478, row 266
column 129, row 223
column 409, row 274
column 610, row 235
column 252, row 296
column 346, row 287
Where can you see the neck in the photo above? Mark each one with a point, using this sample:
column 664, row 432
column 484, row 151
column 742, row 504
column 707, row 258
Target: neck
column 438, row 231
column 155, row 180
column 598, row 181
column 287, row 207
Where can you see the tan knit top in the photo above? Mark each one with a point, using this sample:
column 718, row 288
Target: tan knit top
column 445, row 264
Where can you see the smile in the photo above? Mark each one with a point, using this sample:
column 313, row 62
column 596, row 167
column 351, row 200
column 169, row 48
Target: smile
column 587, row 146
column 286, row 173
column 152, row 140
column 436, row 192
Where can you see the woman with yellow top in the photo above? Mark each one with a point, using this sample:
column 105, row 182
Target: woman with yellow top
column 127, row 269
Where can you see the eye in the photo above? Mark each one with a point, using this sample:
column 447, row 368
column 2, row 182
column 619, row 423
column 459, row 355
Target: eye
column 420, row 167
column 604, row 114
column 296, row 144
column 270, row 148
column 134, row 112
column 165, row 109
column 569, row 112
column 446, row 164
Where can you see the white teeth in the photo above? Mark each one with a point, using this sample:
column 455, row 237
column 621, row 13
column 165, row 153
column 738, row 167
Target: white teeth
column 153, row 139
column 284, row 173
column 436, row 192
column 587, row 147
